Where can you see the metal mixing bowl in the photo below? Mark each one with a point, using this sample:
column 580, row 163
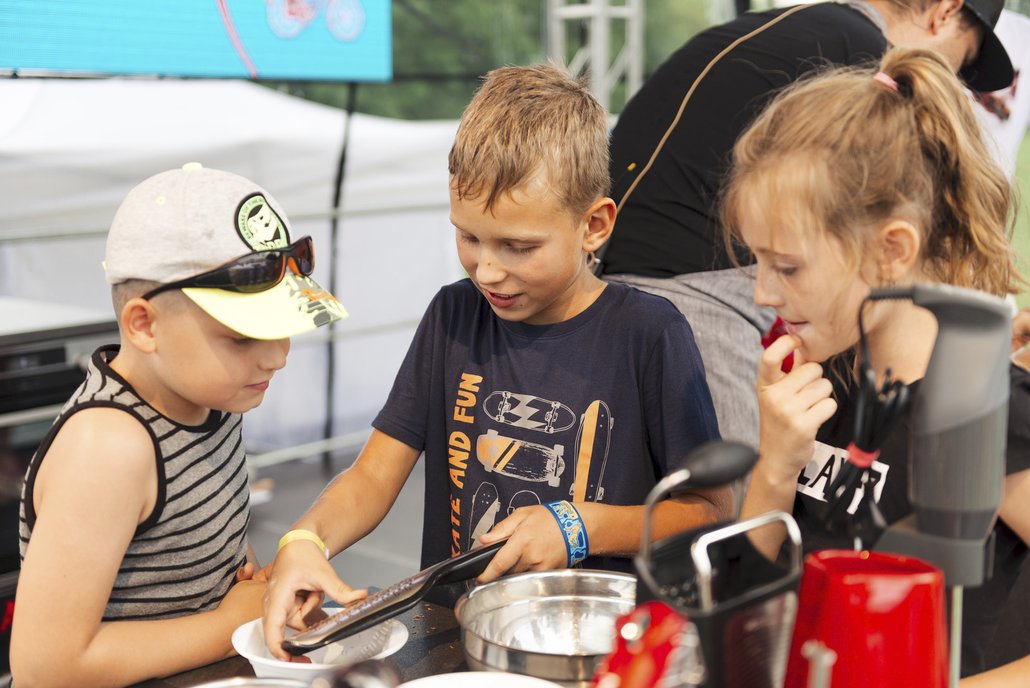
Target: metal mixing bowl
column 555, row 625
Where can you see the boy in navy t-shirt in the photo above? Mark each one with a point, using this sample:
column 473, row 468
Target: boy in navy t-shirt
column 547, row 402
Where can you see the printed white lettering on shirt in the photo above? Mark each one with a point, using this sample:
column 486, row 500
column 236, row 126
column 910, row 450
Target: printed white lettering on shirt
column 821, row 471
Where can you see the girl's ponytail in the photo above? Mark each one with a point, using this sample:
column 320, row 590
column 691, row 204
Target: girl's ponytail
column 971, row 197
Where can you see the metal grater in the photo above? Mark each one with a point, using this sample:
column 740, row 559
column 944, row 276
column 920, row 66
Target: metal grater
column 392, row 600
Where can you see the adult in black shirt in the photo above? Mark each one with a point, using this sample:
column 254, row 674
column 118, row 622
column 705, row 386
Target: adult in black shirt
column 668, row 239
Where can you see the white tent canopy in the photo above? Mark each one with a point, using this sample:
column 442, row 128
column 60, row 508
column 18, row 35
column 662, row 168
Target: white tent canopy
column 71, row 149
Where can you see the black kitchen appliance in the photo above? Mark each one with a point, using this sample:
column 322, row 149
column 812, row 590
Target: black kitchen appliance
column 957, row 441
column 740, row 605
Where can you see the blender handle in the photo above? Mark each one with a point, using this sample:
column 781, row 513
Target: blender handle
column 703, row 564
column 712, row 464
column 660, row 491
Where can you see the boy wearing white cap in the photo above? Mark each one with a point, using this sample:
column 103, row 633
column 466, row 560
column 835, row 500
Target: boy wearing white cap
column 135, row 506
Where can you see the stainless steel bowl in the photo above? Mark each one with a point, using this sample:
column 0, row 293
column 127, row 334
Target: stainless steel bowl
column 555, row 625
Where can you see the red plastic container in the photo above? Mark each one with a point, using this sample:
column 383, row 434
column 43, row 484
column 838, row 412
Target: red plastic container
column 883, row 614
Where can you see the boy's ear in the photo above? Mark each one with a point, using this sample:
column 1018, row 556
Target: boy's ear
column 899, row 244
column 600, row 219
column 137, row 324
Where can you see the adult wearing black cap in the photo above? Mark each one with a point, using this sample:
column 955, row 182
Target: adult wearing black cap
column 991, row 70
column 667, row 164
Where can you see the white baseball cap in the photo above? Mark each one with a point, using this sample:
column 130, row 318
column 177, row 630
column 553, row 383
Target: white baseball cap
column 185, row 222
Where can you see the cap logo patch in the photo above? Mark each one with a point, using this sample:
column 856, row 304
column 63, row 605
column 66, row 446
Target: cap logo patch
column 319, row 306
column 259, row 225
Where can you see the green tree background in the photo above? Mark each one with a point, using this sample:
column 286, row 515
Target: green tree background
column 441, row 48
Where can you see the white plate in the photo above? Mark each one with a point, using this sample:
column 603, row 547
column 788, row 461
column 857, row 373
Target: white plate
column 478, row 679
column 373, row 643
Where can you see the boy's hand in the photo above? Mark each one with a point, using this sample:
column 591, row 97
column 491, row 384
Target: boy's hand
column 251, row 584
column 264, row 574
column 251, row 572
column 792, row 406
column 243, row 601
column 535, row 543
column 246, row 573
column 299, row 576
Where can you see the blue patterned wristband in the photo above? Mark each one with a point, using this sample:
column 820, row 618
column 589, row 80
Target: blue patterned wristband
column 577, row 546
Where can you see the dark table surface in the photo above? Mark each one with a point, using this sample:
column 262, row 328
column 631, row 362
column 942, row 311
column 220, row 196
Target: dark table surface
column 433, row 647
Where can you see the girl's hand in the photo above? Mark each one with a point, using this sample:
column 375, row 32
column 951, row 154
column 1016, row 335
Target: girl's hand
column 535, row 543
column 792, row 406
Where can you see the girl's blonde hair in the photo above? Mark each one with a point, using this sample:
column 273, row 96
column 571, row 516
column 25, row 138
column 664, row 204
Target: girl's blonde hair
column 528, row 120
column 844, row 152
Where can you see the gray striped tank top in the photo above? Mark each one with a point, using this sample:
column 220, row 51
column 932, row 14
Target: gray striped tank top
column 183, row 558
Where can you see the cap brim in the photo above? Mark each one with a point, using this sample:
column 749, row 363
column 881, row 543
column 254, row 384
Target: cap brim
column 992, row 69
column 294, row 306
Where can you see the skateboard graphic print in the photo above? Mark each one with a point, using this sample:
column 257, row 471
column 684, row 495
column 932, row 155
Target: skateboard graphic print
column 521, row 499
column 595, row 433
column 528, row 411
column 519, row 459
column 485, row 507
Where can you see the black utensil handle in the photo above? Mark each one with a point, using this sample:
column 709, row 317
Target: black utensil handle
column 468, row 565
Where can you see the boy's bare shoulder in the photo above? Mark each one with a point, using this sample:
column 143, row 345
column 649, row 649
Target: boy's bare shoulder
column 104, row 437
column 107, row 423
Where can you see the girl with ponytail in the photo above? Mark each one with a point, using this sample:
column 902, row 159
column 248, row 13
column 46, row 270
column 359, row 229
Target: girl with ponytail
column 849, row 181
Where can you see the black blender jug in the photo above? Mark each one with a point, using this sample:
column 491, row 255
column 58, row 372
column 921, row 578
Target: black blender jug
column 740, row 605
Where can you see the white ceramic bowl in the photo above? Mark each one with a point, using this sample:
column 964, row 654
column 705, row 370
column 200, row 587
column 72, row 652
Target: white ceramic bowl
column 379, row 641
column 479, row 679
column 254, row 682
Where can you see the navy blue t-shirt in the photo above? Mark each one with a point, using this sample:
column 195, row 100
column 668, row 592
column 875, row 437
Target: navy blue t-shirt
column 596, row 408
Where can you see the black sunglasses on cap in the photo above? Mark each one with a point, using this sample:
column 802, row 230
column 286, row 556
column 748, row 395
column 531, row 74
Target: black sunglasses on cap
column 253, row 272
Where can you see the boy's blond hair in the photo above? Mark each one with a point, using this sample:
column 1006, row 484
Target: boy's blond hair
column 528, row 120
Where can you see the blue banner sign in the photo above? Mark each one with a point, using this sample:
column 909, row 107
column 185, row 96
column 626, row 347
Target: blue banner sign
column 318, row 40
